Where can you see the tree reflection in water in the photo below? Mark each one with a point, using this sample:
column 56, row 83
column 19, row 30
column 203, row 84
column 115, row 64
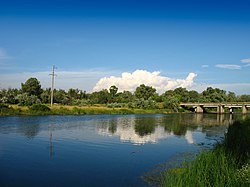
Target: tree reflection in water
column 145, row 126
column 29, row 130
column 141, row 129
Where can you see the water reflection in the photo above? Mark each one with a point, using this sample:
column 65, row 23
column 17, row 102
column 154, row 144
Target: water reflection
column 90, row 150
column 50, row 143
column 148, row 129
column 138, row 129
column 28, row 127
column 144, row 126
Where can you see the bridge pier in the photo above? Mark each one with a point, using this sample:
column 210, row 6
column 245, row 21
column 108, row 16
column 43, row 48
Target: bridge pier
column 220, row 109
column 198, row 109
column 230, row 110
column 244, row 109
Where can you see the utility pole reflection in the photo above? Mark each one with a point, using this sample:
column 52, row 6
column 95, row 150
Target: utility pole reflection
column 50, row 144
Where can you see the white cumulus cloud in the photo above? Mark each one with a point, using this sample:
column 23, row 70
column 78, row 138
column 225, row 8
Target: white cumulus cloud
column 129, row 81
column 228, row 66
column 247, row 60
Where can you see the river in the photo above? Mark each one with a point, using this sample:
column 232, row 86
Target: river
column 99, row 150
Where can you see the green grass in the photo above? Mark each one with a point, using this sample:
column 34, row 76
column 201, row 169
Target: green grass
column 40, row 109
column 227, row 164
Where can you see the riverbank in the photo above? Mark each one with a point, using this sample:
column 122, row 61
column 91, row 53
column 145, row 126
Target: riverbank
column 227, row 164
column 15, row 110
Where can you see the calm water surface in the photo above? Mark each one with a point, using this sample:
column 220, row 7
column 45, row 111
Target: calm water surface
column 101, row 150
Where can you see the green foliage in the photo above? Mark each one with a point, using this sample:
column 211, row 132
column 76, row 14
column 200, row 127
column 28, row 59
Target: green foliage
column 144, row 92
column 7, row 110
column 9, row 96
column 40, row 108
column 115, row 105
column 32, row 87
column 227, row 164
column 125, row 97
column 60, row 96
column 214, row 95
column 144, row 97
column 27, row 100
column 243, row 174
column 143, row 104
column 194, row 96
column 3, row 106
column 101, row 97
column 172, row 102
column 231, row 97
column 244, row 98
column 113, row 91
column 46, row 96
column 210, row 168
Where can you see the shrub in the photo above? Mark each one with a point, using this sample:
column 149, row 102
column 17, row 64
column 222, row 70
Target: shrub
column 40, row 108
column 3, row 106
column 27, row 100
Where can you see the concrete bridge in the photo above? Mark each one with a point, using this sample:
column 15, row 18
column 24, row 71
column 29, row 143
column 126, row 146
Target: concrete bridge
column 199, row 107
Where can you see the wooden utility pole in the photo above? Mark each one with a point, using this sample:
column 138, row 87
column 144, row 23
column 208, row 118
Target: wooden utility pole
column 52, row 84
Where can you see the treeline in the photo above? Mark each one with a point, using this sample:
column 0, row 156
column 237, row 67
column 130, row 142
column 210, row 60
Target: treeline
column 144, row 97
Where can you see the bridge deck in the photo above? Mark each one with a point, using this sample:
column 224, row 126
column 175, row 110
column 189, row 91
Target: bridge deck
column 220, row 106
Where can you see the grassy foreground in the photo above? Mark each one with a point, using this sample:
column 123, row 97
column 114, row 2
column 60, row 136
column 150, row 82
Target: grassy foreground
column 13, row 110
column 227, row 164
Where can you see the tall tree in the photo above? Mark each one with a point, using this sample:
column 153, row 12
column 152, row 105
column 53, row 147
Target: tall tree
column 32, row 87
column 215, row 95
column 144, row 92
column 182, row 93
column 113, row 91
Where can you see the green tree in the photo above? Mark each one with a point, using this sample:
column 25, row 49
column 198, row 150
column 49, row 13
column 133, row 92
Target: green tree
column 172, row 102
column 45, row 96
column 113, row 91
column 144, row 92
column 32, row 87
column 27, row 100
column 60, row 96
column 194, row 96
column 9, row 96
column 231, row 97
column 125, row 97
column 244, row 98
column 182, row 94
column 101, row 97
column 214, row 95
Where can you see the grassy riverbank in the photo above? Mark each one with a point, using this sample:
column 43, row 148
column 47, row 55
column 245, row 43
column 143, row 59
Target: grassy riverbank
column 13, row 110
column 227, row 164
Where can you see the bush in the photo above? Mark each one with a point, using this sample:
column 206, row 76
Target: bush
column 27, row 100
column 115, row 105
column 40, row 108
column 143, row 104
column 7, row 110
column 3, row 106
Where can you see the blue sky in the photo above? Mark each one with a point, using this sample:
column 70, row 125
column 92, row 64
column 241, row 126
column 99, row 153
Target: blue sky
column 89, row 40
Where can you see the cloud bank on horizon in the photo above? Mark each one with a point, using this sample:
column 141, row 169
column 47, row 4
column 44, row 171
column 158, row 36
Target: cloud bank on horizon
column 129, row 81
